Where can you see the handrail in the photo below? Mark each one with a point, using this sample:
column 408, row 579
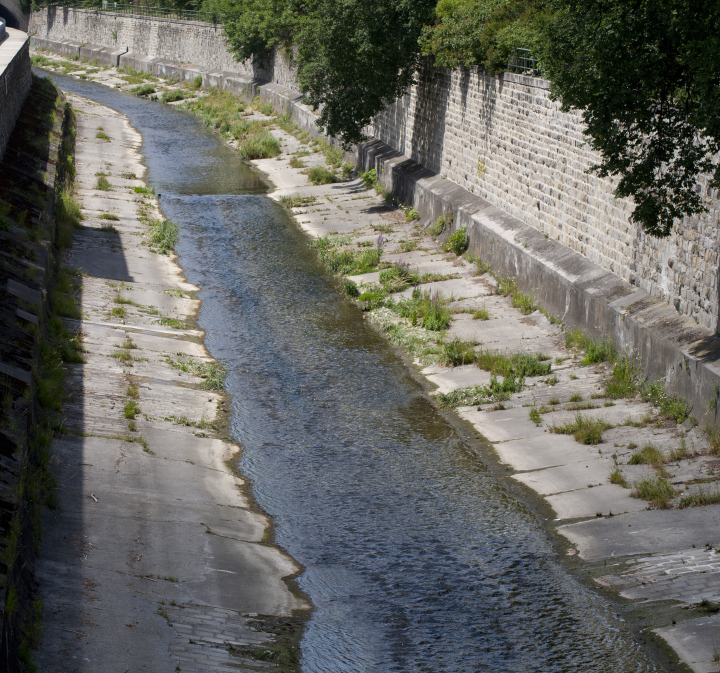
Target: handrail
column 137, row 10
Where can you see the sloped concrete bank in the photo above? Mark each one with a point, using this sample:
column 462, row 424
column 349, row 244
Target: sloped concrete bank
column 155, row 557
column 36, row 167
column 564, row 282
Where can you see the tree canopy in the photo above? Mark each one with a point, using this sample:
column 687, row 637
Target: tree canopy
column 354, row 57
column 647, row 78
column 644, row 73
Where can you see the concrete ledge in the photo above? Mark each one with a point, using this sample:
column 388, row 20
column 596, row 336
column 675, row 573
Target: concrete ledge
column 564, row 282
column 103, row 55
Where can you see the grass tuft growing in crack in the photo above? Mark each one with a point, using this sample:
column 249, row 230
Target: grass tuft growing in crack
column 584, row 429
column 212, row 373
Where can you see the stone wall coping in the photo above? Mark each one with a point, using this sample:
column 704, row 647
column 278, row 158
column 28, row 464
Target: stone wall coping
column 108, row 12
column 9, row 48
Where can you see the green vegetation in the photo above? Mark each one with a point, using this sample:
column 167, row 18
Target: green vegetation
column 625, row 378
column 102, row 135
column 700, row 499
column 143, row 90
column 102, row 184
column 671, row 407
column 475, row 395
column 172, row 322
column 458, row 242
column 40, row 61
column 131, row 409
column 346, row 262
column 437, row 228
column 481, row 314
column 657, row 491
column 109, row 216
column 458, row 352
column 162, row 235
column 298, row 201
column 535, row 416
column 259, row 145
column 584, row 429
column 172, row 96
column 596, row 350
column 637, row 71
column 347, row 92
column 319, row 175
column 648, row 455
column 426, row 309
column 398, row 277
column 212, row 373
column 524, row 302
column 296, row 162
column 520, row 365
column 145, row 191
column 617, row 477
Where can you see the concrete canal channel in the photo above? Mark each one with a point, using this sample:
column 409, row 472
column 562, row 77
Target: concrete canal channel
column 417, row 551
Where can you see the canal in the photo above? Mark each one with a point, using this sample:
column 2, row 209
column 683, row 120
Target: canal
column 415, row 557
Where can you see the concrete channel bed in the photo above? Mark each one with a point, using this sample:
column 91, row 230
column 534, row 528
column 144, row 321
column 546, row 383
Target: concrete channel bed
column 139, row 561
column 647, row 555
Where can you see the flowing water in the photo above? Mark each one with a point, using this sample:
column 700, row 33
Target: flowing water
column 415, row 558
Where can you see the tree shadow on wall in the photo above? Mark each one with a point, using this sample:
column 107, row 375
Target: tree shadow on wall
column 432, row 91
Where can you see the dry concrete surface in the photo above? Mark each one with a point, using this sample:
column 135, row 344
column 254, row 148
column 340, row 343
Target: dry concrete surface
column 649, row 555
column 154, row 559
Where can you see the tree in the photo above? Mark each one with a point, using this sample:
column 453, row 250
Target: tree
column 646, row 75
column 354, row 57
column 482, row 32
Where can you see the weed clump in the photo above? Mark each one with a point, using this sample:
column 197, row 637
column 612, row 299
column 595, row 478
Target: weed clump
column 584, row 429
column 671, row 407
column 648, row 455
column 339, row 260
column 102, row 184
column 520, row 365
column 625, row 379
column 143, row 90
column 458, row 352
column 162, row 235
column 618, row 478
column 426, row 309
column 700, row 499
column 458, row 242
column 495, row 391
column 524, row 302
column 398, row 277
column 172, row 96
column 319, row 175
column 481, row 314
column 260, row 145
column 439, row 226
column 212, row 373
column 656, row 491
column 596, row 350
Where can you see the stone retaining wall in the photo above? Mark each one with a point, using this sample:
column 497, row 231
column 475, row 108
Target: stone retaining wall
column 503, row 139
column 15, row 81
column 184, row 42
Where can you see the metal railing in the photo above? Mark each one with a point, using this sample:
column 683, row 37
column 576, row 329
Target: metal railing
column 523, row 62
column 138, row 10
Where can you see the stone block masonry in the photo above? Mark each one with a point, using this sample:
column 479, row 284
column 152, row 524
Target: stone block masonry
column 15, row 81
column 503, row 139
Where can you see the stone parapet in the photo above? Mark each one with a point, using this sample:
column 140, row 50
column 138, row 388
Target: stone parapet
column 15, row 81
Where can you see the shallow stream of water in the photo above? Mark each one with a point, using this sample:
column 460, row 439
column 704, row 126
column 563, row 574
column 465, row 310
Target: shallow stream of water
column 415, row 558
